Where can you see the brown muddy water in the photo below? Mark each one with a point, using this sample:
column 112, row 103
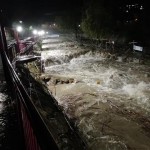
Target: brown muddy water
column 108, row 99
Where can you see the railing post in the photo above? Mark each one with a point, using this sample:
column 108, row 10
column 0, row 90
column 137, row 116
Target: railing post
column 17, row 40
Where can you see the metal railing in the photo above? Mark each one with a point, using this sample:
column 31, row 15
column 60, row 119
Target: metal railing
column 35, row 133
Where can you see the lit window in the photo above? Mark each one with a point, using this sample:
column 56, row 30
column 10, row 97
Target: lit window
column 141, row 8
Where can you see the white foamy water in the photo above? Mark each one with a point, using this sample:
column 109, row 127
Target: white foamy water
column 3, row 98
column 101, row 86
column 51, row 41
column 91, row 69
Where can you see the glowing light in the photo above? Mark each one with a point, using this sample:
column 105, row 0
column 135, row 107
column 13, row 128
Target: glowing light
column 20, row 21
column 19, row 29
column 30, row 28
column 42, row 32
column 141, row 8
column 35, row 32
column 79, row 25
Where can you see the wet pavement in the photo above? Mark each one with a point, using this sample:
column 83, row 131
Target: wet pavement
column 9, row 130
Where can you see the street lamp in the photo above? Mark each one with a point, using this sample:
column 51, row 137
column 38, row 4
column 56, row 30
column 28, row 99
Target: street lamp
column 35, row 32
column 19, row 28
column 20, row 21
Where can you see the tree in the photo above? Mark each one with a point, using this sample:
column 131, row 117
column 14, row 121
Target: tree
column 98, row 20
column 70, row 18
column 65, row 21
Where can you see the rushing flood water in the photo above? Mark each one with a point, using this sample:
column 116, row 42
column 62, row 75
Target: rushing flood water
column 109, row 99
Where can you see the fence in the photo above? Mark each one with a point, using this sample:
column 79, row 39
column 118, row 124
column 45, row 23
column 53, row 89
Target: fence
column 33, row 127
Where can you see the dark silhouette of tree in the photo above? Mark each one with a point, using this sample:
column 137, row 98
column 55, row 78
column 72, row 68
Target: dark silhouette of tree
column 98, row 20
column 70, row 18
column 108, row 19
column 66, row 21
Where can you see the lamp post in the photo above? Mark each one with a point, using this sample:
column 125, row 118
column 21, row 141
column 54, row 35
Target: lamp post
column 18, row 30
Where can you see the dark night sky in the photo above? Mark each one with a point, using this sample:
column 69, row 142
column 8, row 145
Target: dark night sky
column 32, row 10
column 36, row 9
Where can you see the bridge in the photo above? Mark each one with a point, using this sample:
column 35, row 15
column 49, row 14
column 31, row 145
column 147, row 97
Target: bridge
column 36, row 132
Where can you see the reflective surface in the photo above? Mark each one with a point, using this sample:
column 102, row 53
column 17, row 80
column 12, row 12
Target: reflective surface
column 9, row 131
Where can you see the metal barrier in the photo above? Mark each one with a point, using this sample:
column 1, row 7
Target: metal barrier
column 36, row 133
